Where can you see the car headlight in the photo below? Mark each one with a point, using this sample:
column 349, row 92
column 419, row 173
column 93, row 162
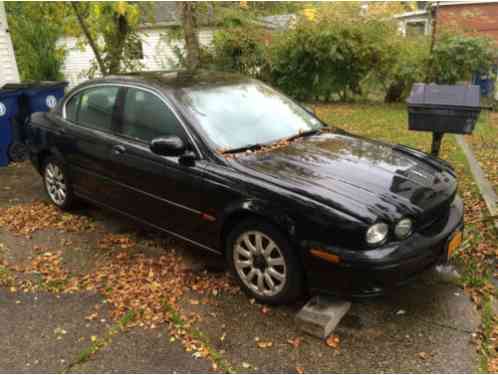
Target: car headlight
column 377, row 233
column 403, row 229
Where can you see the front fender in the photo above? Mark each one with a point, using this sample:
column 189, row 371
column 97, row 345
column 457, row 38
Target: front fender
column 243, row 209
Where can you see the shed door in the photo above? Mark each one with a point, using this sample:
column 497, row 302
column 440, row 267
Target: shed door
column 8, row 66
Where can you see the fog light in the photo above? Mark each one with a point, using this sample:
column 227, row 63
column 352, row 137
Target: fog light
column 403, row 229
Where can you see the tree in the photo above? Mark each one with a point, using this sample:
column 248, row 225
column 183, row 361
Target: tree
column 187, row 13
column 110, row 29
column 35, row 28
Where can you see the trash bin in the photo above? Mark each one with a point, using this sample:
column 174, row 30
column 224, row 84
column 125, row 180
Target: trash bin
column 8, row 110
column 443, row 109
column 33, row 97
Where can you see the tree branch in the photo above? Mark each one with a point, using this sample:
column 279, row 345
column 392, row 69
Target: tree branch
column 85, row 30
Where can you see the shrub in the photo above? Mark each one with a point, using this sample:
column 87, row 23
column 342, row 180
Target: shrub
column 329, row 57
column 456, row 57
column 407, row 64
column 241, row 49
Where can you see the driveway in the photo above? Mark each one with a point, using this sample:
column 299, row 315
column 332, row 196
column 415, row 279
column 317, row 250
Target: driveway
column 93, row 292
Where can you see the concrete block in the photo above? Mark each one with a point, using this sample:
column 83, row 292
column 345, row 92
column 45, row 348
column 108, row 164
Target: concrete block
column 321, row 315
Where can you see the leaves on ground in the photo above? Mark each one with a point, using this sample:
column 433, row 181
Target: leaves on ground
column 26, row 219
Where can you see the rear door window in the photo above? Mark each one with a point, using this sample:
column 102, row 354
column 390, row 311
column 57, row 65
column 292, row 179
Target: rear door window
column 93, row 108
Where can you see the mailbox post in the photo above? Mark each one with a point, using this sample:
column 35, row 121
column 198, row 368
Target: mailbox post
column 443, row 109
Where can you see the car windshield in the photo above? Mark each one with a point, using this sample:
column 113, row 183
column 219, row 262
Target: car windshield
column 246, row 114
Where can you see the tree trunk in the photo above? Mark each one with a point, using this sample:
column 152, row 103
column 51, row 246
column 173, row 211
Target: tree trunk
column 85, row 30
column 190, row 33
column 117, row 45
column 394, row 92
column 433, row 41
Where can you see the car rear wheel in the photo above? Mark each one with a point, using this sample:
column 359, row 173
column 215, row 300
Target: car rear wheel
column 264, row 263
column 57, row 184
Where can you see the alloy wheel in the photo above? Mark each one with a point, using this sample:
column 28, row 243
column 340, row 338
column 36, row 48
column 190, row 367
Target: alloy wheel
column 56, row 184
column 260, row 263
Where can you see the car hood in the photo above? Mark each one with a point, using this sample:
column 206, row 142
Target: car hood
column 364, row 178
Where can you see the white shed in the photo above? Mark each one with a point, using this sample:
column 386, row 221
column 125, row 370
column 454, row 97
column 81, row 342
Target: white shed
column 8, row 65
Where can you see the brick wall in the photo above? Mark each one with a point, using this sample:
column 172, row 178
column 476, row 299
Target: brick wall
column 481, row 19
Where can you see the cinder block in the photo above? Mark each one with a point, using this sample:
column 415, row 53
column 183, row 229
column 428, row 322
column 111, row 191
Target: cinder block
column 321, row 315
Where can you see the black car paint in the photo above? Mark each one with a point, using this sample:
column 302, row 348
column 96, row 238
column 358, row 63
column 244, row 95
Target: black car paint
column 322, row 191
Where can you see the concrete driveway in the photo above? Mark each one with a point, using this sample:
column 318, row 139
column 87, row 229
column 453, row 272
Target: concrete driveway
column 423, row 327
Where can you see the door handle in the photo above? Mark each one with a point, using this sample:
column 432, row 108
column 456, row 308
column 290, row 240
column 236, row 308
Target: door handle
column 118, row 149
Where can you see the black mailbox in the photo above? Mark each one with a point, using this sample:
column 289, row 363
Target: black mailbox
column 443, row 109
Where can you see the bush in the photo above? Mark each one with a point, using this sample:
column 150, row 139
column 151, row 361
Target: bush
column 241, row 49
column 407, row 64
column 456, row 57
column 330, row 57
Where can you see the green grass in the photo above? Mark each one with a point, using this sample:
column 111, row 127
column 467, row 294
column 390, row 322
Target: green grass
column 6, row 277
column 216, row 357
column 102, row 341
column 484, row 142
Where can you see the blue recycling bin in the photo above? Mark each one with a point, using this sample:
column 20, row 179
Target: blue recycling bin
column 44, row 96
column 32, row 97
column 9, row 108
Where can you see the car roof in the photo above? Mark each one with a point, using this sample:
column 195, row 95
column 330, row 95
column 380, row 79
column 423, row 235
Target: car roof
column 177, row 79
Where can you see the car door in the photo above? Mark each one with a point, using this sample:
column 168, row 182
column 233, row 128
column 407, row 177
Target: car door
column 86, row 139
column 157, row 189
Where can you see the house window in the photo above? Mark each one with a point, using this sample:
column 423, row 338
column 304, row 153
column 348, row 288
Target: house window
column 415, row 28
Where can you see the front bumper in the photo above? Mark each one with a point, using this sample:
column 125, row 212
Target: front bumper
column 372, row 272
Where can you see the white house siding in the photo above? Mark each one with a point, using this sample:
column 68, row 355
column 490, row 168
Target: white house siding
column 158, row 53
column 8, row 66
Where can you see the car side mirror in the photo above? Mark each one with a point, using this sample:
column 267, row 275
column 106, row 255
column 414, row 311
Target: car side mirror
column 168, row 146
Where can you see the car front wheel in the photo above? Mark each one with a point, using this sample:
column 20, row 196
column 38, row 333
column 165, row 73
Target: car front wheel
column 264, row 263
column 57, row 184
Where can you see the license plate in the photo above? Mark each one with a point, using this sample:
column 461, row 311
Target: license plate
column 454, row 243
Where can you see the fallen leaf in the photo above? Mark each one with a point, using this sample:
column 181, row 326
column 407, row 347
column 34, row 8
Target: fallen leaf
column 264, row 344
column 423, row 355
column 295, row 342
column 265, row 310
column 300, row 370
column 333, row 341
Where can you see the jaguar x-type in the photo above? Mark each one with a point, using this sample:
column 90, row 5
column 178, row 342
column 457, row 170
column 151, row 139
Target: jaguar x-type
column 234, row 167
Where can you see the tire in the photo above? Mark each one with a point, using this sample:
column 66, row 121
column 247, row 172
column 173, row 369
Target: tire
column 256, row 270
column 57, row 185
column 18, row 152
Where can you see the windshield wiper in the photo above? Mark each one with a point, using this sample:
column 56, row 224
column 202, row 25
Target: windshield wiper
column 304, row 134
column 253, row 147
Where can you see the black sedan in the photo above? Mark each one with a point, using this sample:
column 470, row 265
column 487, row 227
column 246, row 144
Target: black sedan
column 236, row 168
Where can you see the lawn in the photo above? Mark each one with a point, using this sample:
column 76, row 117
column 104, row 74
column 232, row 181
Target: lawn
column 484, row 142
column 478, row 253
